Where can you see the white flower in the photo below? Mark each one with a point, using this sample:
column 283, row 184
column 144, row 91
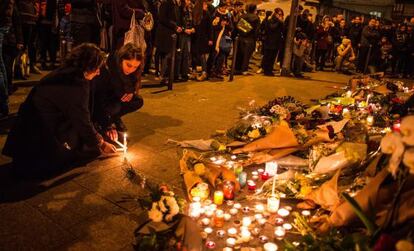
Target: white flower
column 407, row 130
column 173, row 206
column 154, row 214
column 408, row 159
column 161, row 204
column 392, row 144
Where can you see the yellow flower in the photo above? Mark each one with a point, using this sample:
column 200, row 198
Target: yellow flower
column 254, row 134
column 200, row 169
column 305, row 190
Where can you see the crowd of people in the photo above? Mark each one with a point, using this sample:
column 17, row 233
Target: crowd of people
column 96, row 73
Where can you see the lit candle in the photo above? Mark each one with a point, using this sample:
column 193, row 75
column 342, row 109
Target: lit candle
column 245, row 235
column 289, row 208
column 287, row 226
column 370, row 120
column 232, row 232
column 255, row 177
column 263, row 238
column 348, row 94
column 255, row 173
column 194, row 209
column 262, row 222
column 208, row 230
column 209, row 213
column 231, row 242
column 246, row 221
column 256, row 231
column 345, row 112
column 227, row 217
column 230, row 203
column 273, row 204
column 396, row 127
column 218, row 197
column 260, row 171
column 306, row 213
column 270, row 246
column 213, row 207
column 279, row 221
column 237, row 205
column 280, row 232
column 233, row 211
column 258, row 217
column 221, row 233
column 205, row 221
column 251, row 185
column 283, row 212
column 242, row 179
column 265, row 176
column 219, row 218
column 233, row 157
column 125, row 144
column 271, row 168
column 259, row 208
column 210, row 244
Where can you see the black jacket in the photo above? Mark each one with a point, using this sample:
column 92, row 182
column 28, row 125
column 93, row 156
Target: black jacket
column 255, row 23
column 27, row 11
column 6, row 13
column 168, row 14
column 273, row 33
column 370, row 36
column 54, row 127
column 355, row 32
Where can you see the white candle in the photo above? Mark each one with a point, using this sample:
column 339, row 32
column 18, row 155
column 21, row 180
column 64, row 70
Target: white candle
column 205, row 221
column 237, row 206
column 231, row 242
column 348, row 94
column 345, row 112
column 209, row 213
column 287, row 226
column 232, row 231
column 245, row 235
column 125, row 144
column 194, row 210
column 370, row 120
column 280, row 232
column 262, row 221
column 227, row 217
column 208, row 230
column 283, row 212
column 233, row 211
column 258, row 217
column 273, row 204
column 259, row 208
column 270, row 246
column 306, row 213
column 246, row 221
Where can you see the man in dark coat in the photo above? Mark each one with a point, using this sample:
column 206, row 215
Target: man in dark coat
column 84, row 22
column 272, row 41
column 247, row 41
column 369, row 38
column 168, row 25
column 355, row 31
column 6, row 13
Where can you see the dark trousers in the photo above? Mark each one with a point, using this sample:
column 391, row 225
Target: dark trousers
column 401, row 59
column 363, row 57
column 297, row 64
column 321, row 58
column 9, row 55
column 219, row 61
column 245, row 52
column 48, row 43
column 183, row 57
column 4, row 97
column 84, row 33
column 29, row 39
column 269, row 58
column 110, row 112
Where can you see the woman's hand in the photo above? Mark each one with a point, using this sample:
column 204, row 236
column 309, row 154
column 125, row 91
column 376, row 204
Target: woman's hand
column 127, row 97
column 108, row 147
column 112, row 134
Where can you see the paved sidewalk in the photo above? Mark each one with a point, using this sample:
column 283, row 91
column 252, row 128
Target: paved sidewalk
column 84, row 209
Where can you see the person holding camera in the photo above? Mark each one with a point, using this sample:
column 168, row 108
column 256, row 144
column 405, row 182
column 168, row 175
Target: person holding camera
column 273, row 30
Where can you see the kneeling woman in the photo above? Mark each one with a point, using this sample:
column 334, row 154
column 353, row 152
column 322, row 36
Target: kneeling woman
column 53, row 128
column 117, row 90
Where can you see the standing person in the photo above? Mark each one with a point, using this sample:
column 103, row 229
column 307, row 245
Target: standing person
column 6, row 13
column 122, row 11
column 84, row 22
column 386, row 54
column 202, row 42
column 48, row 33
column 355, row 31
column 324, row 42
column 53, row 129
column 222, row 48
column 169, row 14
column 247, row 40
column 117, row 90
column 272, row 41
column 369, row 38
column 184, row 41
column 29, row 17
column 400, row 50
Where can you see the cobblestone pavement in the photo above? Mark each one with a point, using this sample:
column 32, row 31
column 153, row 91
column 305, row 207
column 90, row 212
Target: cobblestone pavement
column 86, row 209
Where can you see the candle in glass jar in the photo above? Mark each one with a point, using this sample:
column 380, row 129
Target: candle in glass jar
column 251, row 185
column 219, row 218
column 280, row 232
column 247, row 221
column 233, row 211
column 270, row 246
column 370, row 120
column 194, row 209
column 273, row 204
column 232, row 232
column 218, row 197
column 220, row 233
column 210, row 244
column 283, row 212
column 228, row 190
column 227, row 217
column 231, row 242
column 265, row 176
column 260, row 171
column 242, row 179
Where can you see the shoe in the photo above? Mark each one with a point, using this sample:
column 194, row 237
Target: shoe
column 299, row 76
column 245, row 73
column 120, row 126
column 35, row 70
column 269, row 74
column 164, row 81
column 259, row 71
column 202, row 77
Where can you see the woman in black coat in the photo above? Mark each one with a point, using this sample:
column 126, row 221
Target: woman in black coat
column 272, row 41
column 53, row 128
column 117, row 90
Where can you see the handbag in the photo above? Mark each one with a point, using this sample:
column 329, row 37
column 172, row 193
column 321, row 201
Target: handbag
column 244, row 26
column 135, row 35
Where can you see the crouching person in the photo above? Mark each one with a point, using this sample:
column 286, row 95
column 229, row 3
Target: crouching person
column 53, row 130
column 344, row 62
column 117, row 90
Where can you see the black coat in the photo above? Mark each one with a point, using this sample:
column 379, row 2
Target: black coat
column 54, row 128
column 255, row 23
column 168, row 22
column 273, row 34
column 202, row 35
column 6, row 13
column 355, row 32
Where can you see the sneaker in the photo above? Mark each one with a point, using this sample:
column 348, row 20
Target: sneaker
column 120, row 126
column 259, row 71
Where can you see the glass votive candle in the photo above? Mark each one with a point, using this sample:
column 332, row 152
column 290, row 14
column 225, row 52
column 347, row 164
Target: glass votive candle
column 210, row 244
column 220, row 233
column 270, row 246
column 259, row 208
column 251, row 185
column 230, row 242
column 246, row 221
column 265, row 176
column 236, row 223
column 287, row 226
column 263, row 238
column 205, row 221
column 208, row 213
column 306, row 213
column 232, row 231
column 260, row 171
column 258, row 217
column 237, row 205
column 208, row 230
column 273, row 204
column 218, row 197
column 233, row 211
column 279, row 221
column 219, row 218
column 246, row 210
column 227, row 217
column 262, row 222
column 283, row 212
column 370, row 120
column 280, row 232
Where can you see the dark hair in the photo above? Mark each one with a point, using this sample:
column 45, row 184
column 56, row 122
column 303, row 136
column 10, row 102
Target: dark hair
column 86, row 57
column 129, row 51
column 251, row 8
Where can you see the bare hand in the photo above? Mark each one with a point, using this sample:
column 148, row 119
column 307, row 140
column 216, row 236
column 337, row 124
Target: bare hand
column 188, row 31
column 112, row 134
column 127, row 97
column 108, row 147
column 210, row 43
column 179, row 29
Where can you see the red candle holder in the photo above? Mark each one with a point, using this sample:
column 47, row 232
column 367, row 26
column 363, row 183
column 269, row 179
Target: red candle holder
column 251, row 185
column 264, row 176
column 228, row 190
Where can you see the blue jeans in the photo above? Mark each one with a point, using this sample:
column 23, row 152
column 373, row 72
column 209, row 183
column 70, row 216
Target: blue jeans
column 4, row 95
